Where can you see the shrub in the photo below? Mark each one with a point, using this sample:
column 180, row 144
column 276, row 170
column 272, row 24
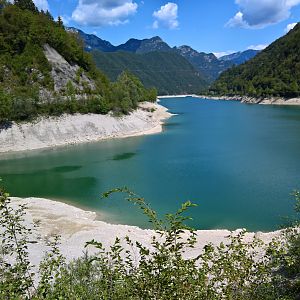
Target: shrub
column 233, row 270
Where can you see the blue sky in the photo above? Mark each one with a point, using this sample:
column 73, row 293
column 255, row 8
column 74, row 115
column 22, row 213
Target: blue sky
column 206, row 25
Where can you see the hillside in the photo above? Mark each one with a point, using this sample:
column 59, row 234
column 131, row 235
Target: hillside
column 275, row 72
column 168, row 72
column 93, row 42
column 44, row 70
column 206, row 64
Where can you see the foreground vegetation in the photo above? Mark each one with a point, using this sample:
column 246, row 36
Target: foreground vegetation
column 236, row 270
column 273, row 72
column 26, row 84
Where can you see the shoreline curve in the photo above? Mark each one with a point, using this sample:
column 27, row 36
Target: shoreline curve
column 74, row 129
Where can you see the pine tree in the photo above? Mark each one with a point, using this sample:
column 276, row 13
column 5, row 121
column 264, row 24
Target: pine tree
column 26, row 4
column 48, row 14
column 60, row 21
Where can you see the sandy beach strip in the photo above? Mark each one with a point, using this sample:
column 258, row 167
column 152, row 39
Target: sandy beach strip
column 77, row 226
column 78, row 128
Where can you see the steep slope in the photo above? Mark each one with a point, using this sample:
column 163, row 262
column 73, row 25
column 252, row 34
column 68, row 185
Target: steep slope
column 240, row 57
column 167, row 71
column 207, row 63
column 45, row 71
column 92, row 42
column 273, row 72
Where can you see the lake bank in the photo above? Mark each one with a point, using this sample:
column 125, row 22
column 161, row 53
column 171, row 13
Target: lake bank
column 245, row 183
column 242, row 99
column 77, row 226
column 77, row 128
column 252, row 100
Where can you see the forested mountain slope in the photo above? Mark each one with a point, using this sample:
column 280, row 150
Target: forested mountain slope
column 168, row 72
column 45, row 70
column 207, row 65
column 275, row 72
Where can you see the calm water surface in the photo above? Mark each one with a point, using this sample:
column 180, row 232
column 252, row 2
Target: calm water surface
column 238, row 162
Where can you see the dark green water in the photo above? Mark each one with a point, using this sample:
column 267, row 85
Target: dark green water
column 238, row 162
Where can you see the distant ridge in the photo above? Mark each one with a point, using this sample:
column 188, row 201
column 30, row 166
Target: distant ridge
column 144, row 46
column 194, row 74
column 207, row 63
column 240, row 57
column 93, row 42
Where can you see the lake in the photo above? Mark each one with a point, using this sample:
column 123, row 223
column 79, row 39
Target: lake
column 238, row 162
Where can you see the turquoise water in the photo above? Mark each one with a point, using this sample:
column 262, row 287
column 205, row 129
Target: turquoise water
column 238, row 162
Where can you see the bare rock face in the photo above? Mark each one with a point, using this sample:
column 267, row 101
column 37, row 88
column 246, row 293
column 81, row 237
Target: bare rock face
column 63, row 73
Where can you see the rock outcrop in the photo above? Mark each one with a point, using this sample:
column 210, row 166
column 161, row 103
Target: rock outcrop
column 64, row 74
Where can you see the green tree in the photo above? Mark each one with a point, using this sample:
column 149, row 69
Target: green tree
column 26, row 4
column 60, row 21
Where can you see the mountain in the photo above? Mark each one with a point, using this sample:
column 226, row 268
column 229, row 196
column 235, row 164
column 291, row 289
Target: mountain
column 44, row 70
column 145, row 45
column 168, row 72
column 240, row 57
column 152, row 60
column 92, row 42
column 207, row 63
column 275, row 71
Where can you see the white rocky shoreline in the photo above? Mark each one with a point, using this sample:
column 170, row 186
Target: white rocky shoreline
column 242, row 99
column 73, row 129
column 76, row 227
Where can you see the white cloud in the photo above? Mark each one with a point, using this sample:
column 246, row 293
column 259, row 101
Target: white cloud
column 104, row 12
column 166, row 16
column 237, row 21
column 223, row 53
column 289, row 27
column 261, row 13
column 258, row 47
column 42, row 4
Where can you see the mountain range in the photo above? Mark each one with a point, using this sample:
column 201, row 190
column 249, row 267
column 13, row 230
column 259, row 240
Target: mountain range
column 204, row 67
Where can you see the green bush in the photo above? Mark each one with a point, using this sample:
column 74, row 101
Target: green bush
column 236, row 270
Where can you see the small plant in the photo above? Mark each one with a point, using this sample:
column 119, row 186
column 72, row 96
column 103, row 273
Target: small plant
column 16, row 275
column 170, row 268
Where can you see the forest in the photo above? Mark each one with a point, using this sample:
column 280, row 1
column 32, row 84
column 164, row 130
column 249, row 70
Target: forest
column 26, row 73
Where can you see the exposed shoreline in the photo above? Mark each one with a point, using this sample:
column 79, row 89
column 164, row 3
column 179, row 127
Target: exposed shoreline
column 243, row 99
column 77, row 226
column 74, row 129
